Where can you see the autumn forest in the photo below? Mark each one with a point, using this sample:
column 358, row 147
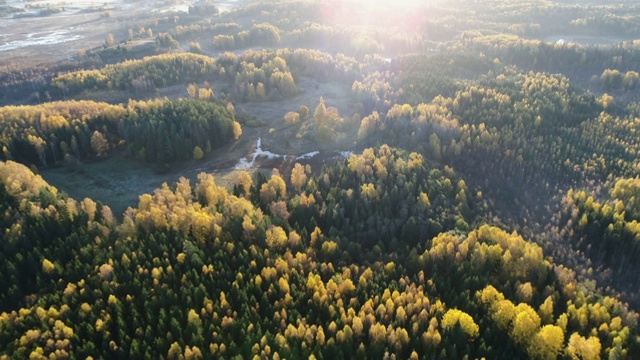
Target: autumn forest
column 301, row 179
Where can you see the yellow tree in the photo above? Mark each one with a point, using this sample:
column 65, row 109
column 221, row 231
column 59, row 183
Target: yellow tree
column 547, row 343
column 320, row 114
column 276, row 237
column 237, row 130
column 298, row 176
column 175, row 351
column 455, row 316
column 504, row 313
column 291, row 118
column 99, row 144
column 245, row 181
column 546, row 311
column 525, row 324
column 47, row 266
column 378, row 333
column 581, row 348
column 275, row 188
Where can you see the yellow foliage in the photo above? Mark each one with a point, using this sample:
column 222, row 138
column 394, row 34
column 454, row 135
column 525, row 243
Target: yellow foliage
column 584, row 349
column 37, row 354
column 547, row 343
column 276, row 237
column 402, row 338
column 525, row 292
column 283, row 284
column 521, row 259
column 31, row 336
column 247, row 225
column 298, row 176
column 99, row 325
column 525, row 324
column 454, row 316
column 368, row 191
column 546, row 311
column 401, row 315
column 423, row 200
column 105, row 271
column 175, row 351
column 316, row 236
column 490, row 295
column 47, row 266
column 21, row 182
column 390, row 267
column 357, row 326
column 193, row 317
column 275, row 188
column 432, row 336
column 329, row 247
column 237, row 130
column 245, row 180
column 70, row 290
column 445, row 246
column 378, row 333
column 294, row 239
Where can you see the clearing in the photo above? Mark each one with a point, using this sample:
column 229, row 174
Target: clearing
column 119, row 180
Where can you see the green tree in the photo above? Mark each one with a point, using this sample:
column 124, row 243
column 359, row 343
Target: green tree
column 197, row 153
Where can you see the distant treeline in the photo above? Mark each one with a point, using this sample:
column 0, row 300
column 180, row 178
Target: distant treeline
column 256, row 75
column 148, row 73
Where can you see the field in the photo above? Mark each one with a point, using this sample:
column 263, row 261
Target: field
column 82, row 25
column 119, row 180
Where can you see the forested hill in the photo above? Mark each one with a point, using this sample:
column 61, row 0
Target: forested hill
column 380, row 254
column 155, row 131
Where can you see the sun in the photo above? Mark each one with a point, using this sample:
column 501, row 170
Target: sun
column 371, row 13
column 390, row 4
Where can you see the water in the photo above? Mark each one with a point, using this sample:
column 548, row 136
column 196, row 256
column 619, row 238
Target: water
column 583, row 40
column 308, row 155
column 243, row 163
column 43, row 38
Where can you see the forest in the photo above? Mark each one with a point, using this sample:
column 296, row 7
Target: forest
column 341, row 179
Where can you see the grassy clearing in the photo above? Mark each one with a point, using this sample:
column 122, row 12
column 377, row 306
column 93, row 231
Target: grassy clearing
column 119, row 180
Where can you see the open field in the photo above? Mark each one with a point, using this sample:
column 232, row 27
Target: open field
column 81, row 25
column 61, row 36
column 119, row 180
